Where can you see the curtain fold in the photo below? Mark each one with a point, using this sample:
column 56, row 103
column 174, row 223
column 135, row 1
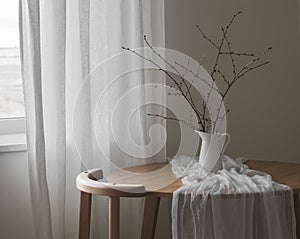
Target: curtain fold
column 62, row 43
column 29, row 19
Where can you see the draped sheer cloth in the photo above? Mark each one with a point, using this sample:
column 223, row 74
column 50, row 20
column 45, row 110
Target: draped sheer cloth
column 234, row 203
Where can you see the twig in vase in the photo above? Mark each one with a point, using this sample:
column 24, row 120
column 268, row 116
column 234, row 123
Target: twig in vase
column 236, row 74
column 196, row 75
column 183, row 87
column 220, row 46
column 178, row 85
column 187, row 85
column 175, row 119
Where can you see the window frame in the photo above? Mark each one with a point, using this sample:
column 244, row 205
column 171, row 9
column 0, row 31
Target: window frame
column 12, row 125
column 12, row 135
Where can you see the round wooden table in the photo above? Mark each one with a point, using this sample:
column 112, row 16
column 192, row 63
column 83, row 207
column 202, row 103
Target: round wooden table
column 154, row 181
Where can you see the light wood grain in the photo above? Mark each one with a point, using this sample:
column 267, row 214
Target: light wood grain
column 85, row 215
column 90, row 181
column 284, row 173
column 159, row 180
column 150, row 217
column 114, row 218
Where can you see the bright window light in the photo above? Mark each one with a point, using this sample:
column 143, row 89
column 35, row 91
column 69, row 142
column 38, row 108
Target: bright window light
column 11, row 92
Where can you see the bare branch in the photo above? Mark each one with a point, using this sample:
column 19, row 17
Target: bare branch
column 231, row 57
column 236, row 53
column 187, row 85
column 175, row 119
column 177, row 94
column 206, row 38
column 251, row 69
column 246, row 67
column 224, row 31
column 172, row 78
column 196, row 75
column 223, row 76
column 183, row 87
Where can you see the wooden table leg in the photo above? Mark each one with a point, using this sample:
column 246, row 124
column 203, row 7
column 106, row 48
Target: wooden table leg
column 114, row 217
column 297, row 213
column 85, row 215
column 150, row 217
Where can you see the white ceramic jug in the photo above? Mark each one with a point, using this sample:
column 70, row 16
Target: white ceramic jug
column 212, row 149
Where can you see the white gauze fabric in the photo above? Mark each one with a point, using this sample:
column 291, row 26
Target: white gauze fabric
column 234, row 203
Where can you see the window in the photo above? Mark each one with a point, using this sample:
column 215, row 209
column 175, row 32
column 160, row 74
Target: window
column 12, row 121
column 11, row 92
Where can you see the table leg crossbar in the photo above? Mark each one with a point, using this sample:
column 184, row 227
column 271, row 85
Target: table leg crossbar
column 149, row 220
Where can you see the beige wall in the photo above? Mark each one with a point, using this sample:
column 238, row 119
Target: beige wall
column 15, row 205
column 265, row 116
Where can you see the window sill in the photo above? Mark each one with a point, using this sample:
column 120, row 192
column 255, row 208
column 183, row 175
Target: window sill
column 12, row 143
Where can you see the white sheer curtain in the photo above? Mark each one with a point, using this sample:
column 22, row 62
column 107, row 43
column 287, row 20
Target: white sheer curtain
column 61, row 43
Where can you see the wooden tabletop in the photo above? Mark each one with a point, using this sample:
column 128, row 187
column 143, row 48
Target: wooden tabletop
column 159, row 179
